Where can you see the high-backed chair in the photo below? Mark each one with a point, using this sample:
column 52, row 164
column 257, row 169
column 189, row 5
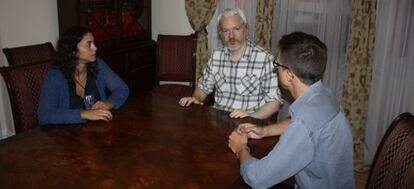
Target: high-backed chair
column 24, row 84
column 175, row 61
column 29, row 54
column 393, row 165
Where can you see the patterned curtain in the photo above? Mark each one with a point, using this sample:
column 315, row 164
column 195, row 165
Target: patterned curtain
column 199, row 13
column 264, row 18
column 359, row 73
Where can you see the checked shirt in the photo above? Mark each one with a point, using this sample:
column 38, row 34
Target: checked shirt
column 246, row 84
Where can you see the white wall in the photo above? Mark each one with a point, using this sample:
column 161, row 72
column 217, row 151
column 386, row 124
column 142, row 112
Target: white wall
column 169, row 17
column 23, row 22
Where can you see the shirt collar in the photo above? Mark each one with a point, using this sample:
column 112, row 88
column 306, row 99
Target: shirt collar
column 304, row 97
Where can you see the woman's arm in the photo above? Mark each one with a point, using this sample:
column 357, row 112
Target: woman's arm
column 52, row 108
column 119, row 90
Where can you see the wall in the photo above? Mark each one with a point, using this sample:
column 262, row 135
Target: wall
column 169, row 17
column 23, row 22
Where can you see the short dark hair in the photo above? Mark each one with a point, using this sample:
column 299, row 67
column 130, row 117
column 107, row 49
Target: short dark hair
column 305, row 55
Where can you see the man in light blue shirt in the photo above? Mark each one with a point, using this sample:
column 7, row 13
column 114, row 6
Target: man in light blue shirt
column 315, row 145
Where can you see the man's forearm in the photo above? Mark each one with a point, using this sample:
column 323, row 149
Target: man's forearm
column 266, row 110
column 277, row 128
column 199, row 94
column 244, row 154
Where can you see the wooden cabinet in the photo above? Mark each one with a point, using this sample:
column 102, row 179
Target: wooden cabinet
column 135, row 63
column 122, row 30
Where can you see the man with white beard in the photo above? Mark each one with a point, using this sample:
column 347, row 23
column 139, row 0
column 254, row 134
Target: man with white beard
column 240, row 73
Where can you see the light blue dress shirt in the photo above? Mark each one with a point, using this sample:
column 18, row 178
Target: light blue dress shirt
column 316, row 148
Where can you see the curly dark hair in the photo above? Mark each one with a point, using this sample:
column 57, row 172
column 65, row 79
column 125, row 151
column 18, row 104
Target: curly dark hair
column 65, row 58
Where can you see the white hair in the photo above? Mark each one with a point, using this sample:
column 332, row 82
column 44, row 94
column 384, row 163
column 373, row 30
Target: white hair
column 232, row 12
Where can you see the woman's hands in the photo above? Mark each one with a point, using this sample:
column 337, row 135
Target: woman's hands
column 102, row 105
column 96, row 114
column 99, row 111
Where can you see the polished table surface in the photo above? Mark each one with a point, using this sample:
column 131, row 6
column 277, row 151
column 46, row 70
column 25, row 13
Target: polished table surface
column 151, row 142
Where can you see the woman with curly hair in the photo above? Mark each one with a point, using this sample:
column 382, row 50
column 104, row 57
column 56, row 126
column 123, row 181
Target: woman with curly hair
column 73, row 89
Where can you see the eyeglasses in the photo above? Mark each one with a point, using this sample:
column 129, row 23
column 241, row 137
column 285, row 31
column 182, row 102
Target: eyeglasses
column 276, row 65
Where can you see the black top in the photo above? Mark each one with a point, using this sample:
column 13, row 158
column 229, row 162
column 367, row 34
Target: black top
column 91, row 94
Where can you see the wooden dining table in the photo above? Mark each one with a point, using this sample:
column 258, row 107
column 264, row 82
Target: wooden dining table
column 151, row 142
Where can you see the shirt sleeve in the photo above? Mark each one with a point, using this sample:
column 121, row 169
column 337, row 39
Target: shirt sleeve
column 207, row 81
column 50, row 109
column 291, row 154
column 269, row 83
column 119, row 90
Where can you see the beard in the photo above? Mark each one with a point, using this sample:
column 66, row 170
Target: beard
column 234, row 44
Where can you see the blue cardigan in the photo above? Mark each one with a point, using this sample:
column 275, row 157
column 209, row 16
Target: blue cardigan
column 54, row 101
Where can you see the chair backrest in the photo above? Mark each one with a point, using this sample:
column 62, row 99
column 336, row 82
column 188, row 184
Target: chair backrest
column 29, row 54
column 175, row 58
column 24, row 84
column 393, row 165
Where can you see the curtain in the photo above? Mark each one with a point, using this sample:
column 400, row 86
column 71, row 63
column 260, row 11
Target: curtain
column 199, row 13
column 329, row 20
column 249, row 9
column 359, row 72
column 6, row 118
column 392, row 86
column 264, row 18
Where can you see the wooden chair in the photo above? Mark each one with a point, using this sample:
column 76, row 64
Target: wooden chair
column 29, row 54
column 24, row 84
column 393, row 165
column 175, row 61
